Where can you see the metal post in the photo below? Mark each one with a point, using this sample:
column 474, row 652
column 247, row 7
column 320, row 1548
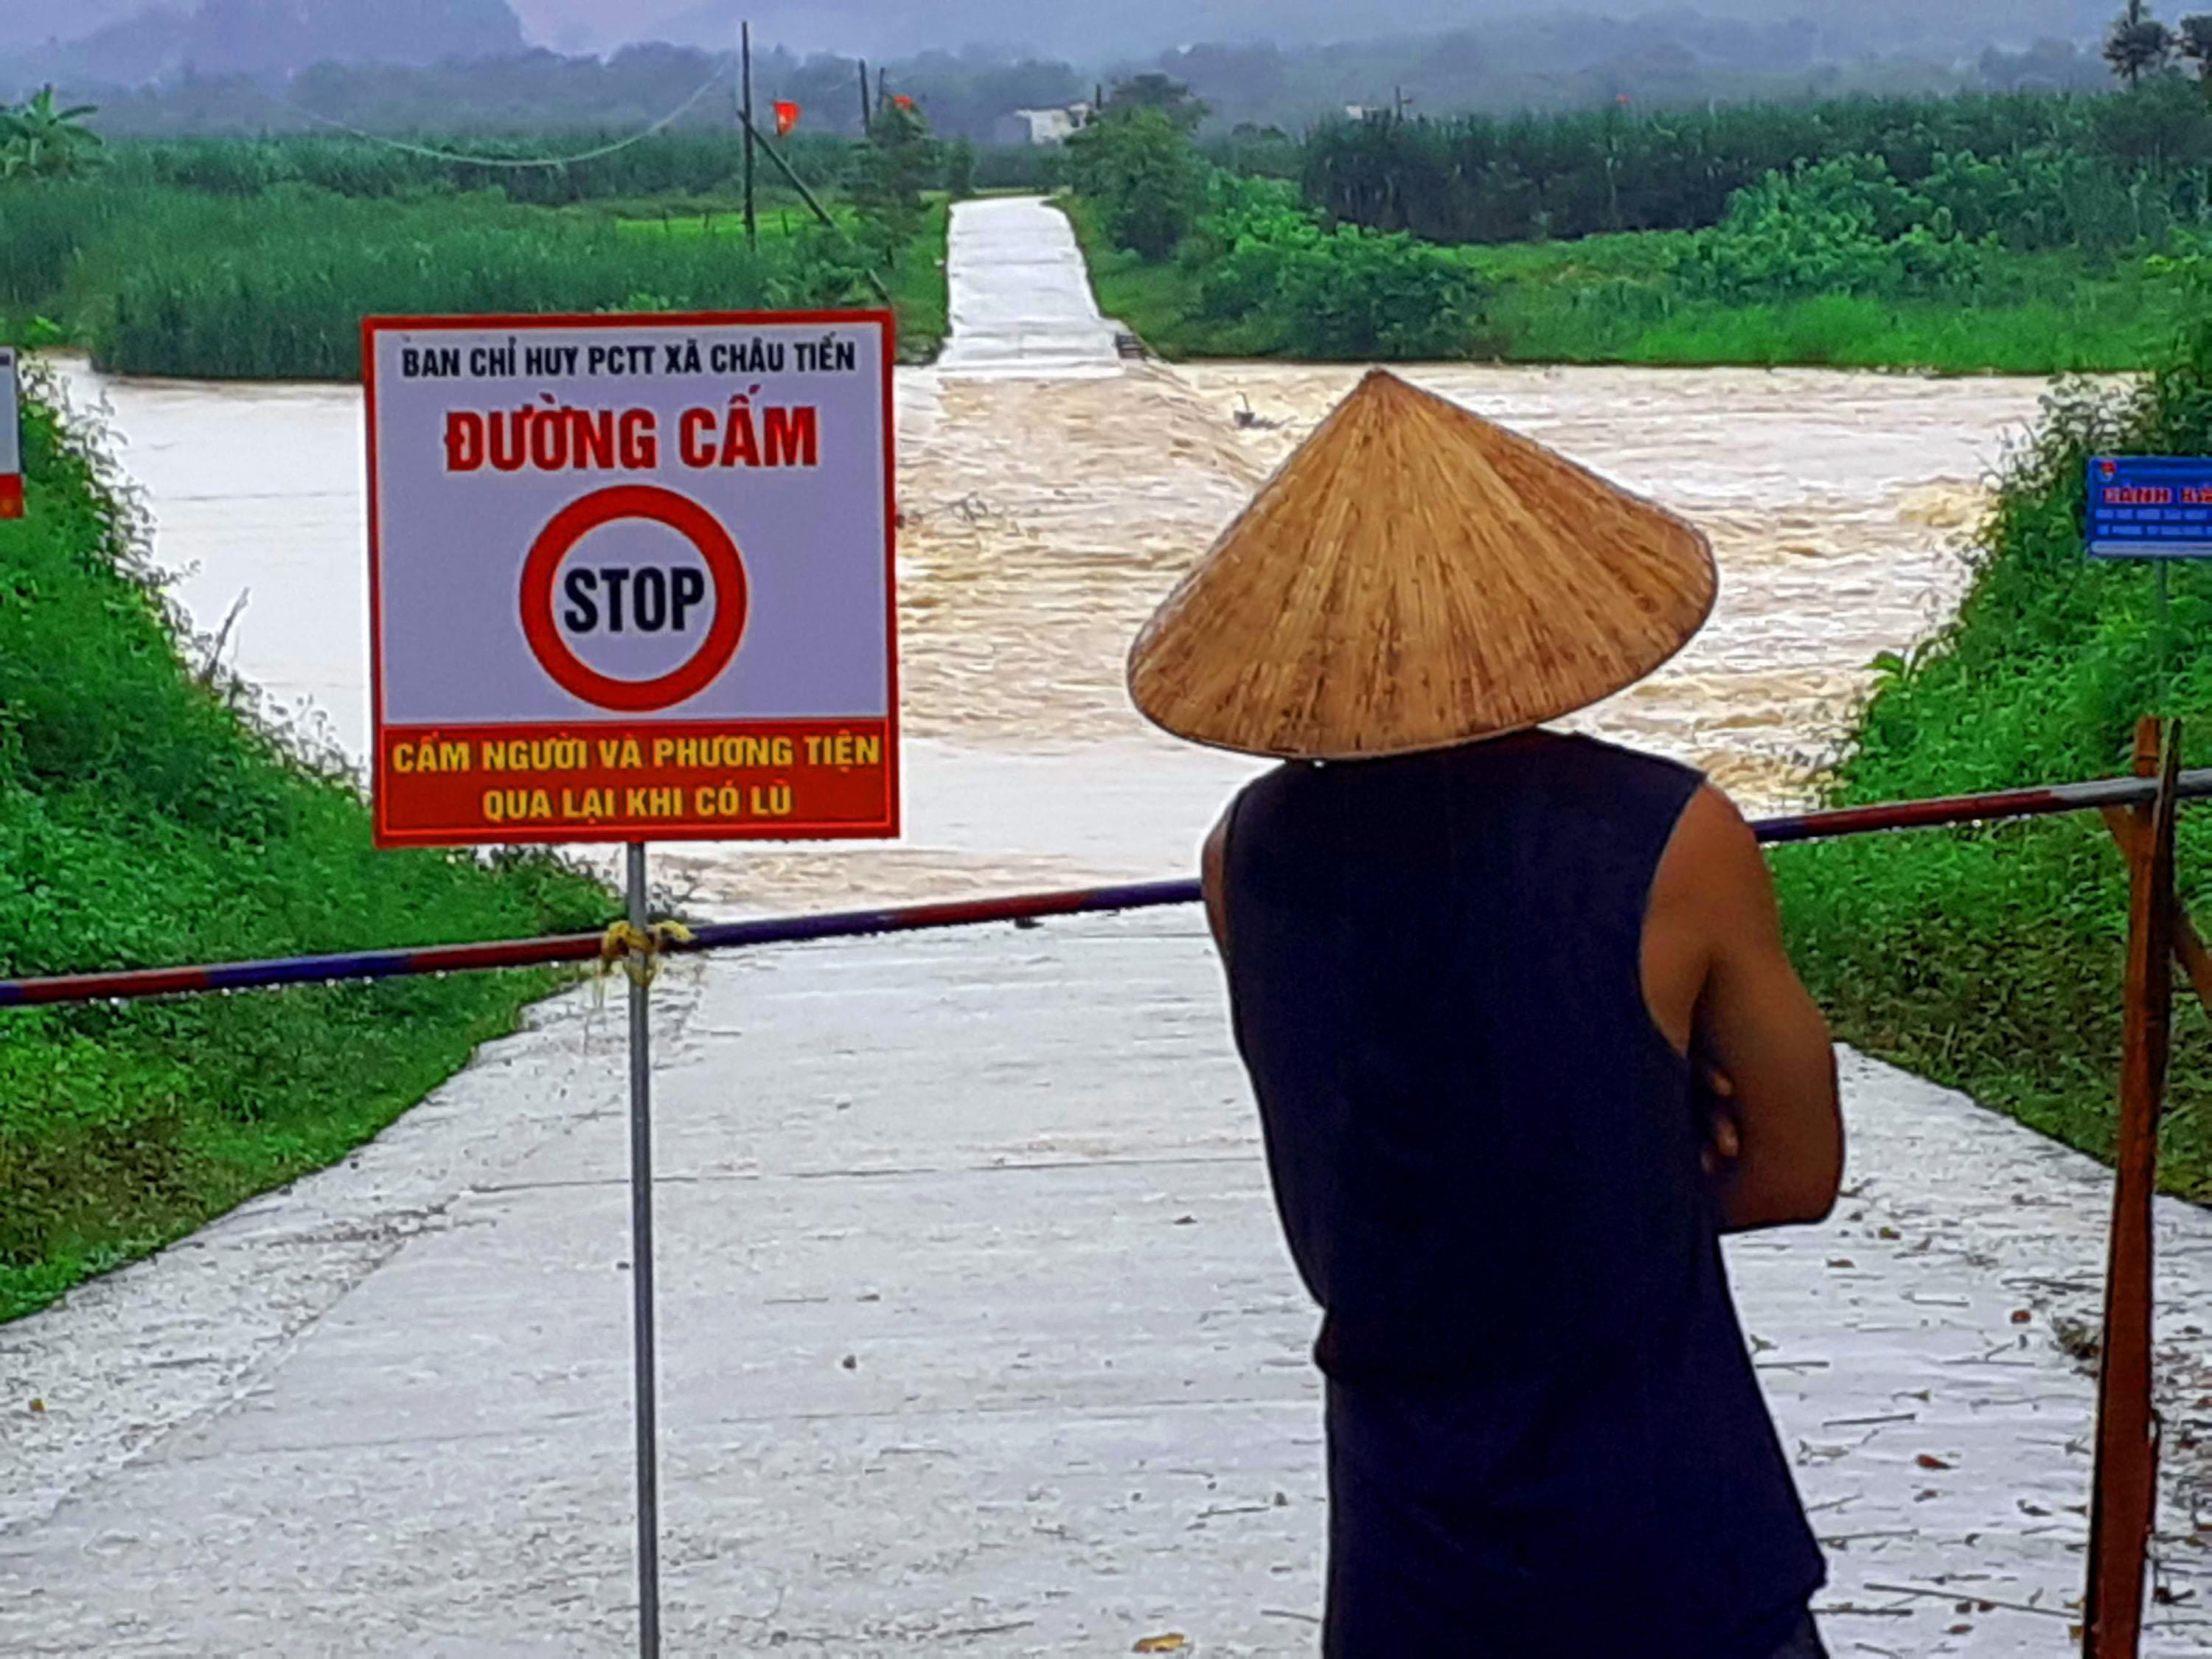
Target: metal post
column 867, row 118
column 640, row 1252
column 2124, row 1503
column 752, row 219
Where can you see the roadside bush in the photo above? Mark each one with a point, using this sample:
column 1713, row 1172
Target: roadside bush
column 1992, row 959
column 1329, row 294
column 1844, row 226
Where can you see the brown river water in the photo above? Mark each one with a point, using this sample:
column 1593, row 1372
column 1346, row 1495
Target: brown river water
column 1046, row 517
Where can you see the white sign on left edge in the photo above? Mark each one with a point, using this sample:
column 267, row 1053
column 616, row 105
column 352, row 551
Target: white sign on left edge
column 11, row 440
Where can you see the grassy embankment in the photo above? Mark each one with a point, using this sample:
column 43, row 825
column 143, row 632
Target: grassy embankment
column 1992, row 960
column 144, row 820
column 1612, row 299
column 160, row 280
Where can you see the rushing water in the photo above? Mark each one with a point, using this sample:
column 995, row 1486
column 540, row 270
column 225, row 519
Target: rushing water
column 1044, row 517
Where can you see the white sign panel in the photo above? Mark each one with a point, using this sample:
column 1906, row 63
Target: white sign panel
column 631, row 577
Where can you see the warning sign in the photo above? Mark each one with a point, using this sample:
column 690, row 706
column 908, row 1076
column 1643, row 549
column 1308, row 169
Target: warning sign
column 631, row 578
column 11, row 438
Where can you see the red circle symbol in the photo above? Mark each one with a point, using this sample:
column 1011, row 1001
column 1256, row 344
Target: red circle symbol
column 725, row 569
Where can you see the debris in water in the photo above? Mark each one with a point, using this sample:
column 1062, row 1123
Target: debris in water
column 1172, row 1643
column 1250, row 420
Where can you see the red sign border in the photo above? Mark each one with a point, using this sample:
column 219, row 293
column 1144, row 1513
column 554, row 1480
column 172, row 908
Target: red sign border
column 890, row 829
column 659, row 505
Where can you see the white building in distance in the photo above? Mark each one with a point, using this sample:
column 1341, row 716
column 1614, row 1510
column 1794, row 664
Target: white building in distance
column 1042, row 126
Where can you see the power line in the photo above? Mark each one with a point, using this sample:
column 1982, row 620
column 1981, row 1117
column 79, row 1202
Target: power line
column 666, row 121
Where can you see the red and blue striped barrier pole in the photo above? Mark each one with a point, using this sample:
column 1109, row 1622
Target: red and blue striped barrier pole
column 135, row 983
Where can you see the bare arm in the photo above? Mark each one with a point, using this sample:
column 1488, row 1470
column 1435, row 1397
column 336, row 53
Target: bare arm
column 1754, row 1023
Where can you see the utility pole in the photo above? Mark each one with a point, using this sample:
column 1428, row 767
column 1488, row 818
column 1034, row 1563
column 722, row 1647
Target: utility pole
column 752, row 218
column 867, row 118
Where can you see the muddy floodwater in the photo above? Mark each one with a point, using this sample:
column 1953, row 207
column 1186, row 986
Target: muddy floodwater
column 1045, row 516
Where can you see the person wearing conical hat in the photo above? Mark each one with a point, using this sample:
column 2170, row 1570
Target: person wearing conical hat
column 1525, row 1039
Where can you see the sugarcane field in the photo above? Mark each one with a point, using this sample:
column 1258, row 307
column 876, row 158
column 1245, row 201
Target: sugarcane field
column 1211, row 831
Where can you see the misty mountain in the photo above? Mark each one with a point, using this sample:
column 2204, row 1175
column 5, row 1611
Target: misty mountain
column 267, row 38
column 425, row 30
column 1137, row 28
column 394, row 65
column 24, row 24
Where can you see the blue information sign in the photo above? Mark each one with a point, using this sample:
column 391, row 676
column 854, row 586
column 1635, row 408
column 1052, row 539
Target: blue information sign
column 2151, row 506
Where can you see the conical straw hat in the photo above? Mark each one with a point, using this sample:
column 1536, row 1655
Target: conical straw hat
column 1415, row 577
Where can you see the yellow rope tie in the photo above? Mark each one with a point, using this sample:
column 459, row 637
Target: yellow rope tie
column 638, row 951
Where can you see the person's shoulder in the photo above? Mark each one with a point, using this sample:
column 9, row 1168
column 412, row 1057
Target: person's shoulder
column 1714, row 850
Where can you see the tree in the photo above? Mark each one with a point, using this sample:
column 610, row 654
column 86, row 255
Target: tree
column 2137, row 44
column 1163, row 93
column 39, row 141
column 898, row 163
column 1138, row 165
column 2193, row 41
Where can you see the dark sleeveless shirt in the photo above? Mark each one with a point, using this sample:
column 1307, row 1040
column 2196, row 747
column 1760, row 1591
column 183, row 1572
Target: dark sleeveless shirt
column 1546, row 1434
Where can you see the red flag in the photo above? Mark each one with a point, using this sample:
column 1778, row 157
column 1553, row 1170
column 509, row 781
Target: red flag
column 902, row 100
column 786, row 118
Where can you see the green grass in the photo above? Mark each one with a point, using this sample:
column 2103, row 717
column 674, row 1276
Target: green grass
column 1608, row 300
column 158, row 280
column 1992, row 960
column 144, row 821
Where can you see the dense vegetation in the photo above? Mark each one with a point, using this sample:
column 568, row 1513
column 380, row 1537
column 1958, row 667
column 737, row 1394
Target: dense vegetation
column 146, row 820
column 258, row 257
column 2017, row 233
column 2102, row 165
column 1992, row 959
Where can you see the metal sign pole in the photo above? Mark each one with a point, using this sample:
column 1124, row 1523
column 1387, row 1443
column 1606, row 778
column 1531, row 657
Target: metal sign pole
column 640, row 1227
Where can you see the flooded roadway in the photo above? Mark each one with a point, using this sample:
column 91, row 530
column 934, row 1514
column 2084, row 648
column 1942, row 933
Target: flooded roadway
column 1047, row 513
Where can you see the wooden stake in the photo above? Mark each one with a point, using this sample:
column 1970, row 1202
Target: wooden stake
column 2125, row 1504
column 2190, row 950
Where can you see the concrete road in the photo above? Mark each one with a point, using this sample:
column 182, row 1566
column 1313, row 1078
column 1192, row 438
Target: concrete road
column 978, row 1337
column 1021, row 294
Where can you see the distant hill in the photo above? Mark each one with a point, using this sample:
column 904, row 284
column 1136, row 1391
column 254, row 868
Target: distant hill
column 1137, row 28
column 128, row 45
column 23, row 26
